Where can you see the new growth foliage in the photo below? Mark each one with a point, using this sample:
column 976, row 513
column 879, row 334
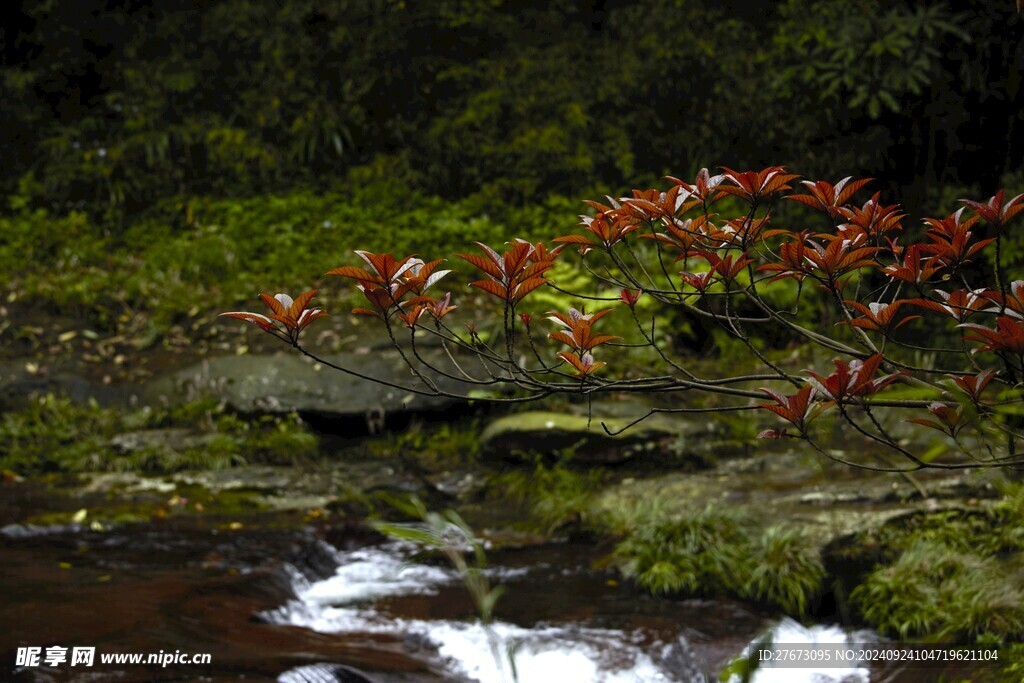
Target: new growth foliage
column 712, row 249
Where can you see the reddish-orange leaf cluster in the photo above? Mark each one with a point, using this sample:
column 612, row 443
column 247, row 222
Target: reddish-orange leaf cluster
column 952, row 241
column 389, row 281
column 878, row 317
column 797, row 409
column 630, row 297
column 578, row 334
column 973, row 385
column 704, row 189
column 288, row 316
column 853, row 379
column 863, row 243
column 753, row 186
column 827, row 197
column 997, row 211
column 1008, row 335
column 958, row 305
column 950, row 420
column 514, row 274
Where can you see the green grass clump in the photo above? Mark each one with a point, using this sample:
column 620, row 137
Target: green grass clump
column 786, row 569
column 434, row 448
column 556, row 495
column 937, row 590
column 948, row 575
column 721, row 551
column 700, row 552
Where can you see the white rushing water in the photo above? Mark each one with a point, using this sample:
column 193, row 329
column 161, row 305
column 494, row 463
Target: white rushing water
column 344, row 603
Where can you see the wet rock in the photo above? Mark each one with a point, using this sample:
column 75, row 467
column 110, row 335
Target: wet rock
column 17, row 384
column 325, row 673
column 22, row 531
column 293, row 383
column 162, row 440
column 830, row 501
column 679, row 660
column 660, row 437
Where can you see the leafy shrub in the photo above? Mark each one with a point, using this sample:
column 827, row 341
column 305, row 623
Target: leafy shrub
column 721, row 551
column 787, row 568
column 937, row 590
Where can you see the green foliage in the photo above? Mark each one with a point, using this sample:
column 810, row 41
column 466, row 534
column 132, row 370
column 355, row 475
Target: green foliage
column 936, row 590
column 949, row 575
column 787, row 569
column 556, row 495
column 203, row 255
column 514, row 100
column 858, row 55
column 443, row 446
column 55, row 434
column 721, row 551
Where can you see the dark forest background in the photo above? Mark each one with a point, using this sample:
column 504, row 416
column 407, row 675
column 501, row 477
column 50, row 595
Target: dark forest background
column 184, row 131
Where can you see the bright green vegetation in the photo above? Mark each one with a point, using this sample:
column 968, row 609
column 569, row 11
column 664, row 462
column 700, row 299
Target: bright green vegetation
column 211, row 255
column 953, row 575
column 721, row 551
column 54, row 434
column 712, row 551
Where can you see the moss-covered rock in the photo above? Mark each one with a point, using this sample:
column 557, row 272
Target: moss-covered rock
column 660, row 437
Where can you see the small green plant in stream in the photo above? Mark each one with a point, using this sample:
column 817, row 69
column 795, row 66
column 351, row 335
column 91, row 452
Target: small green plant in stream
column 448, row 533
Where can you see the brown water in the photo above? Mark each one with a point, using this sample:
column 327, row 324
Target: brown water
column 189, row 584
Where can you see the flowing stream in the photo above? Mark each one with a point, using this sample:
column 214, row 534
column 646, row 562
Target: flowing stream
column 377, row 590
column 275, row 599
